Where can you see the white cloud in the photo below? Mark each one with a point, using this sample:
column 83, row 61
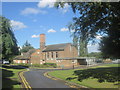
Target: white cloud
column 34, row 36
column 65, row 8
column 64, row 29
column 51, row 31
column 17, row 25
column 46, row 3
column 98, row 37
column 27, row 11
column 50, row 4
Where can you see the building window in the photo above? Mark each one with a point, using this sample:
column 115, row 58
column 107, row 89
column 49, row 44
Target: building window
column 56, row 54
column 23, row 61
column 45, row 56
column 48, row 55
column 38, row 52
column 21, row 54
column 52, row 54
column 18, row 61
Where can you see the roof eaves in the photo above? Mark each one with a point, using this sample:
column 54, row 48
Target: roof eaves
column 53, row 50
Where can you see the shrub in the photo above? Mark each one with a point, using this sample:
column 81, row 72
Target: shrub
column 41, row 65
column 37, row 65
column 51, row 64
column 106, row 74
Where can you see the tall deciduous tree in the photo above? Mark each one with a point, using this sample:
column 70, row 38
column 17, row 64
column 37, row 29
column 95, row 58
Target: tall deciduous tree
column 8, row 41
column 110, row 45
column 97, row 18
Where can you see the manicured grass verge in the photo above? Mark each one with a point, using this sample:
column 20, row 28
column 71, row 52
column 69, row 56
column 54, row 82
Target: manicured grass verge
column 10, row 78
column 90, row 79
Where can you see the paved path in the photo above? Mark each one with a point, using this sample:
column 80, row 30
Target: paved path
column 36, row 79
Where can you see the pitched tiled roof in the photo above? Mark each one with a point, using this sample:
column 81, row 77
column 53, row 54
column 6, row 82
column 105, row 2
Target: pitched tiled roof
column 56, row 47
column 25, row 56
column 36, row 52
column 20, row 57
column 74, row 58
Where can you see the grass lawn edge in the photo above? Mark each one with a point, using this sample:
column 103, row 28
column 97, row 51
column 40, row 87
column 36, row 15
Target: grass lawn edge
column 71, row 84
column 107, row 65
column 16, row 75
column 20, row 80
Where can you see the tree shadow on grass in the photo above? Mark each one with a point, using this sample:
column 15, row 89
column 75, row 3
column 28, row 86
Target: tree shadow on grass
column 108, row 74
column 14, row 66
column 8, row 82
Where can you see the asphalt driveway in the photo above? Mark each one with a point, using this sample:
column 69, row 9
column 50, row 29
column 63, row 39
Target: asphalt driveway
column 36, row 79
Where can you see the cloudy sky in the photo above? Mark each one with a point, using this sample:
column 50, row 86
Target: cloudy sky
column 29, row 19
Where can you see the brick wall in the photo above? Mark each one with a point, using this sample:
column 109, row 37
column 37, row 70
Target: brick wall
column 35, row 57
column 69, row 52
column 42, row 41
column 21, row 61
column 42, row 57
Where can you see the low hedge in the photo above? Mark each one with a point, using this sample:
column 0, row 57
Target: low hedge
column 23, row 64
column 37, row 65
column 51, row 64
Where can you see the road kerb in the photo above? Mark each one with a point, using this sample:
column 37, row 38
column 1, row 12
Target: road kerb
column 72, row 85
column 24, row 81
column 21, row 77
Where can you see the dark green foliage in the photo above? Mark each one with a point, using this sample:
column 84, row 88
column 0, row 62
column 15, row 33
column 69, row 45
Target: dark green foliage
column 96, row 18
column 18, row 66
column 8, row 81
column 99, row 61
column 26, row 44
column 36, row 65
column 45, row 65
column 95, row 54
column 108, row 74
column 8, row 42
column 110, row 45
column 22, row 65
column 106, row 46
column 102, row 18
column 6, row 73
column 51, row 64
column 26, row 47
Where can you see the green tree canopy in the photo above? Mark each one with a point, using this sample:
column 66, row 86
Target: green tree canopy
column 96, row 18
column 95, row 54
column 8, row 42
column 26, row 47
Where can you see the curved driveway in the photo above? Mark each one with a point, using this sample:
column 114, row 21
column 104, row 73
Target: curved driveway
column 36, row 79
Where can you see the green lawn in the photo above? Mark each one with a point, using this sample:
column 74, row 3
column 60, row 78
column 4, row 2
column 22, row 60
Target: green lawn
column 91, row 77
column 10, row 78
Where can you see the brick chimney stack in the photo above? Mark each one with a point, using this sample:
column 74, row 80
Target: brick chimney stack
column 42, row 41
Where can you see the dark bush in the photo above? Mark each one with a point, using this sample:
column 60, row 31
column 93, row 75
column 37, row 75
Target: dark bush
column 38, row 65
column 51, row 64
column 106, row 74
column 45, row 65
column 26, row 65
